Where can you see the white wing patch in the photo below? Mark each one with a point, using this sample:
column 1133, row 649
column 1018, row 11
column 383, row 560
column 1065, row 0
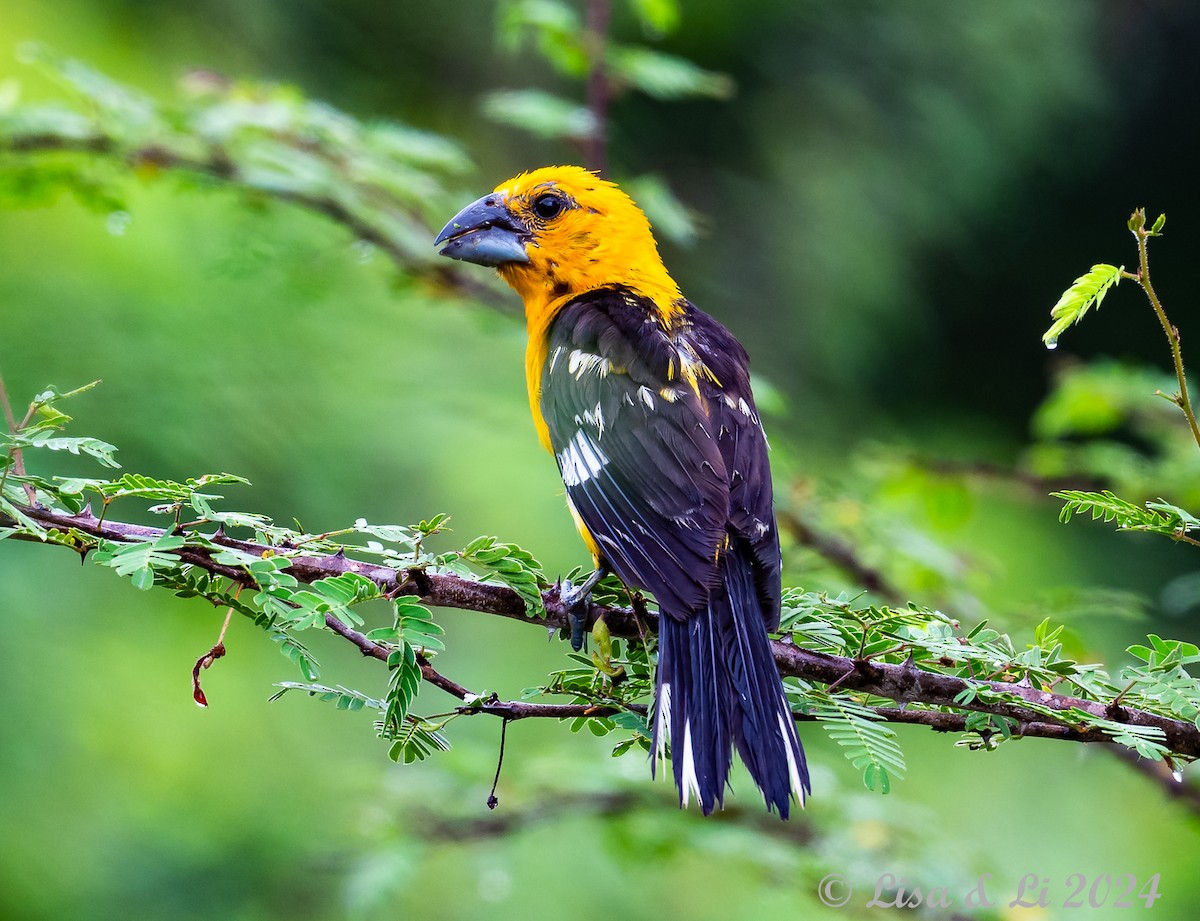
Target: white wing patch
column 580, row 362
column 580, row 460
column 594, row 418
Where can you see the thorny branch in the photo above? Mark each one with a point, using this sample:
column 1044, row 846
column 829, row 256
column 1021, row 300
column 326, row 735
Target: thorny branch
column 1036, row 713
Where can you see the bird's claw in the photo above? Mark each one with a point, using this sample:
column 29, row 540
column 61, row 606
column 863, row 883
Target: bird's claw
column 577, row 601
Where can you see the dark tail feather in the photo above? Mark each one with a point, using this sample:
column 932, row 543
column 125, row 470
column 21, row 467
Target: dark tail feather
column 718, row 689
column 690, row 710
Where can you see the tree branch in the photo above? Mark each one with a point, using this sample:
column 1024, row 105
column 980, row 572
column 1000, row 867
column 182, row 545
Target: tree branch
column 493, row 706
column 218, row 165
column 1036, row 713
column 437, row 826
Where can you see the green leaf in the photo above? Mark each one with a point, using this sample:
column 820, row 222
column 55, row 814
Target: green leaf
column 392, row 534
column 671, row 217
column 342, row 698
column 434, row 525
column 1147, row 741
column 140, row 561
column 38, row 437
column 511, row 566
column 627, row 719
column 1162, row 653
column 268, row 572
column 867, row 743
column 1178, row 520
column 296, row 652
column 417, row 740
column 335, row 595
column 27, row 525
column 541, row 114
column 658, row 17
column 1156, row 517
column 1087, row 291
column 665, row 76
column 413, row 628
column 556, row 28
column 143, row 578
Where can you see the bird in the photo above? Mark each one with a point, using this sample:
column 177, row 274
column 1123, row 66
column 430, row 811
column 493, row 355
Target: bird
column 645, row 403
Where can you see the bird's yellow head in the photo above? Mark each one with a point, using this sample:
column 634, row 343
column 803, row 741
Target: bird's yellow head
column 558, row 232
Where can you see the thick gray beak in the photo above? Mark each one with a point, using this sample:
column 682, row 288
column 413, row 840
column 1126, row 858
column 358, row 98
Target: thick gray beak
column 484, row 233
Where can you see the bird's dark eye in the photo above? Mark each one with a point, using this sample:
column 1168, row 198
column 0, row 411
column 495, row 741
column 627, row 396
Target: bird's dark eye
column 548, row 207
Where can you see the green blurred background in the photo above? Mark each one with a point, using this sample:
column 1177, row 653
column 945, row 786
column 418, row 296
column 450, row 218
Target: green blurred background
column 888, row 206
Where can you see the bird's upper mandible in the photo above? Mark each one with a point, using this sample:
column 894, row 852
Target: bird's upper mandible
column 558, row 232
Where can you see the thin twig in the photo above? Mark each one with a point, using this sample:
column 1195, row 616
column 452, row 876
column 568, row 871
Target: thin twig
column 15, row 454
column 1142, row 235
column 438, row 826
column 492, row 802
column 9, row 418
column 840, row 554
column 1001, row 473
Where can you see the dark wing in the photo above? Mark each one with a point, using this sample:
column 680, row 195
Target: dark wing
column 744, row 450
column 636, row 448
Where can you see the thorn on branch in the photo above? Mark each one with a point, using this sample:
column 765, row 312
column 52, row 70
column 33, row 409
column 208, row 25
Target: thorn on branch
column 1114, row 710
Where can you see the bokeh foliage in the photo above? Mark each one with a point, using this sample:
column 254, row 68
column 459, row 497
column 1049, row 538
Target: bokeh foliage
column 886, row 209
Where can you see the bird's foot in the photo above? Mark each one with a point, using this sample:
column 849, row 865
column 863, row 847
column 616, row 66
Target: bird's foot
column 577, row 600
